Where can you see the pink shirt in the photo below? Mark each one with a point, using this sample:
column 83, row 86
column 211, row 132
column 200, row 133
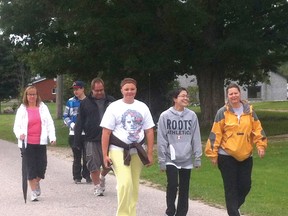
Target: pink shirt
column 34, row 126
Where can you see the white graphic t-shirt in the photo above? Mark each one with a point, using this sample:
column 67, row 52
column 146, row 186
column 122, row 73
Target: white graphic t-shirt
column 127, row 121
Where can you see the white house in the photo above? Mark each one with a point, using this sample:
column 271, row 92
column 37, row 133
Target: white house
column 276, row 90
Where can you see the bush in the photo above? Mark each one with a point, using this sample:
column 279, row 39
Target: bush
column 8, row 110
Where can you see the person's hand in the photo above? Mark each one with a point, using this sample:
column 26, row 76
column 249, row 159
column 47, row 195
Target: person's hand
column 150, row 158
column 214, row 161
column 261, row 153
column 22, row 137
column 77, row 148
column 107, row 162
column 53, row 142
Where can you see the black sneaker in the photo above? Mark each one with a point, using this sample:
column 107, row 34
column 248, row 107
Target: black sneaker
column 77, row 181
column 88, row 180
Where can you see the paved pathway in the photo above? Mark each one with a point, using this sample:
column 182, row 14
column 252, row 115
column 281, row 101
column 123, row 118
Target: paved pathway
column 60, row 196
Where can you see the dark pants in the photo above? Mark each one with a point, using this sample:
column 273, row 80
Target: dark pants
column 236, row 177
column 173, row 184
column 79, row 168
column 36, row 161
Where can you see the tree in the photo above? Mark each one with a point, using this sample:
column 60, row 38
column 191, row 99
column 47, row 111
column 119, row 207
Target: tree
column 9, row 83
column 284, row 69
column 152, row 41
column 242, row 40
column 95, row 40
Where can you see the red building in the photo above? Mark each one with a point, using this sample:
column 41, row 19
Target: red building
column 46, row 88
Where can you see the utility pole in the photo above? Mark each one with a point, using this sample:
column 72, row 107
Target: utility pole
column 59, row 97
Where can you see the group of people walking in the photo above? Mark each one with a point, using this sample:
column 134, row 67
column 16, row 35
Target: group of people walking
column 107, row 134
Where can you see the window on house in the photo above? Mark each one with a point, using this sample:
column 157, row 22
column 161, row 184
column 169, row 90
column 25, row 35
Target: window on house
column 254, row 92
column 54, row 91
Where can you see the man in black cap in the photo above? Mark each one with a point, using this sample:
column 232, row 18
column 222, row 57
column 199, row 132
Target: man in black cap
column 79, row 168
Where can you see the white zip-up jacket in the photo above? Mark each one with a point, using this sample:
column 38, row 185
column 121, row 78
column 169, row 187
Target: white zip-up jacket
column 47, row 125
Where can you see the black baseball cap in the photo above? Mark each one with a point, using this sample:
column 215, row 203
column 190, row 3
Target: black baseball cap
column 78, row 84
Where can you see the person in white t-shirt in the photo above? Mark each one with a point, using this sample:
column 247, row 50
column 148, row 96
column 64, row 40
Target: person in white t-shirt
column 126, row 123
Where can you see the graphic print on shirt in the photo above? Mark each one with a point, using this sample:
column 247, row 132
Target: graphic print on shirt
column 132, row 122
column 74, row 105
column 179, row 127
column 73, row 109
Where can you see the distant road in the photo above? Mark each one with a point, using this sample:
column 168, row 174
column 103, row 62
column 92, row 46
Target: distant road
column 60, row 196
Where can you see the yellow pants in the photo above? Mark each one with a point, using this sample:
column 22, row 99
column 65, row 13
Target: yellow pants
column 127, row 182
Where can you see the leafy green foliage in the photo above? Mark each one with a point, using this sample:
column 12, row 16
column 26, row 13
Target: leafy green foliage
column 152, row 41
column 9, row 82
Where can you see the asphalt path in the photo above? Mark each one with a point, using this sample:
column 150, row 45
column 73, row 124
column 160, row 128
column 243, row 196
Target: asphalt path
column 60, row 196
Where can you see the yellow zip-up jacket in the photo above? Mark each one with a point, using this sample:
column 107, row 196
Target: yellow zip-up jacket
column 235, row 136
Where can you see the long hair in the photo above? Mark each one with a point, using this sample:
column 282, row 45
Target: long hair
column 25, row 100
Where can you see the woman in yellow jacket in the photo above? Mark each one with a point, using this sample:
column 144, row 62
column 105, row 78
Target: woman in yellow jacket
column 230, row 144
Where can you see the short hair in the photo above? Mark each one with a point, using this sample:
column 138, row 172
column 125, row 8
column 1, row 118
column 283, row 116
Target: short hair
column 128, row 80
column 175, row 93
column 25, row 100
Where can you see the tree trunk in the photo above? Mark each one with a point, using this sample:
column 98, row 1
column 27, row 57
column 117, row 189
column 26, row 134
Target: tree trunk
column 211, row 94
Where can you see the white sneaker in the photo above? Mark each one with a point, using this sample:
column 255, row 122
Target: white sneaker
column 34, row 196
column 98, row 191
column 38, row 189
column 102, row 183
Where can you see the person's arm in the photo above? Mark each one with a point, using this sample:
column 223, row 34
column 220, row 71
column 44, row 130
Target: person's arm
column 18, row 128
column 51, row 127
column 215, row 137
column 66, row 116
column 259, row 136
column 17, row 125
column 150, row 144
column 196, row 142
column 162, row 143
column 78, row 128
column 105, row 145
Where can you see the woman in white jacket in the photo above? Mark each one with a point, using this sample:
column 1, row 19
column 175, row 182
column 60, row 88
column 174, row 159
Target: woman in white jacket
column 34, row 125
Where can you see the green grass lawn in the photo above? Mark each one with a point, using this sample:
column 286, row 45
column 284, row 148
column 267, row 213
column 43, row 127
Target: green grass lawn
column 269, row 193
column 6, row 127
column 272, row 105
column 7, row 121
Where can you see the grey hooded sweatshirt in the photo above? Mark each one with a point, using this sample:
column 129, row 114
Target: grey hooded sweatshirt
column 178, row 139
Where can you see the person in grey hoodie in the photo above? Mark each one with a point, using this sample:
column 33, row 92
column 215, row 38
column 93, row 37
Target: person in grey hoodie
column 179, row 150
